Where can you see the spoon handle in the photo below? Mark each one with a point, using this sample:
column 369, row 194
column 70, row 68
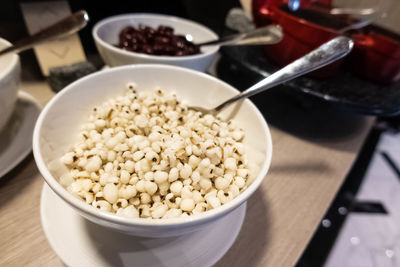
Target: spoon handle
column 65, row 27
column 270, row 34
column 320, row 57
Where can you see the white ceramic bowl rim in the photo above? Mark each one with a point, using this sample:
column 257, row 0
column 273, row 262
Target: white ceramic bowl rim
column 88, row 209
column 11, row 64
column 105, row 21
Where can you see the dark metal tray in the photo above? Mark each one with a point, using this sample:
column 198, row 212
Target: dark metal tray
column 344, row 89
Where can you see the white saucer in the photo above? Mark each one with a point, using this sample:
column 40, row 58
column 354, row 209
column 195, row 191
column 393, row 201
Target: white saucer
column 16, row 136
column 79, row 242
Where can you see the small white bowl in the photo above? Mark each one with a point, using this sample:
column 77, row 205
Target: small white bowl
column 58, row 127
column 10, row 71
column 106, row 32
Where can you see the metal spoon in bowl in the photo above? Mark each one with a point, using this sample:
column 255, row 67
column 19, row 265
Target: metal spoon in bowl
column 270, row 34
column 65, row 27
column 325, row 54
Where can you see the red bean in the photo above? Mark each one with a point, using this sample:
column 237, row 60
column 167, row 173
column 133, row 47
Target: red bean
column 160, row 41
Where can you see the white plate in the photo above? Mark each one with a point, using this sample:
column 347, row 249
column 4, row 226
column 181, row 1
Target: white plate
column 79, row 242
column 16, row 136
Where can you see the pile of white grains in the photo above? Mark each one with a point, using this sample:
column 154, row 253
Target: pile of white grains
column 147, row 155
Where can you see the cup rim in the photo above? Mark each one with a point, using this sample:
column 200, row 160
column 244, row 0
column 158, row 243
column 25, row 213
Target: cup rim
column 101, row 23
column 149, row 222
column 304, row 22
column 11, row 64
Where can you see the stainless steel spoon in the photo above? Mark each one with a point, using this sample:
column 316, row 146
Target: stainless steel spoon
column 325, row 54
column 270, row 34
column 63, row 28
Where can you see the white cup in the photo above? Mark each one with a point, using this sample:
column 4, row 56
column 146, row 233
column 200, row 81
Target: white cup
column 10, row 72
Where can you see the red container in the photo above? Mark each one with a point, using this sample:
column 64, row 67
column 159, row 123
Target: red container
column 300, row 35
column 376, row 55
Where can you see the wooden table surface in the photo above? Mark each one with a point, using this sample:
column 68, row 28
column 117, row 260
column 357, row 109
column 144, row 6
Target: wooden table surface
column 282, row 215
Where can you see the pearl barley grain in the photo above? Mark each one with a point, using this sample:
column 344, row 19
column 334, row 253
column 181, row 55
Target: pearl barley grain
column 150, row 187
column 110, row 193
column 176, row 187
column 160, row 177
column 230, row 164
column 125, row 177
column 221, row 183
column 173, row 175
column 68, row 158
column 187, row 204
column 214, row 202
column 147, row 155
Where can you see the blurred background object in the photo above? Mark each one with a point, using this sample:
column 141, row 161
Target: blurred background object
column 12, row 26
column 54, row 53
column 376, row 56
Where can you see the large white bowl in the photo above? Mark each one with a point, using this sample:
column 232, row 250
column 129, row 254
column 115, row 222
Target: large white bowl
column 106, row 32
column 59, row 124
column 10, row 70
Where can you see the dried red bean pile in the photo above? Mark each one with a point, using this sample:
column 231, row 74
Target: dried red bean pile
column 160, row 41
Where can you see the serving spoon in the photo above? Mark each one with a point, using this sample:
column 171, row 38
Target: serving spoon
column 65, row 27
column 270, row 34
column 325, row 54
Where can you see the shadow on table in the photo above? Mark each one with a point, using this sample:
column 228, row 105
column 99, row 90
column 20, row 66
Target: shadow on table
column 249, row 247
column 309, row 118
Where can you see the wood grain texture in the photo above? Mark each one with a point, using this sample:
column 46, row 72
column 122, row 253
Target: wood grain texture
column 281, row 216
